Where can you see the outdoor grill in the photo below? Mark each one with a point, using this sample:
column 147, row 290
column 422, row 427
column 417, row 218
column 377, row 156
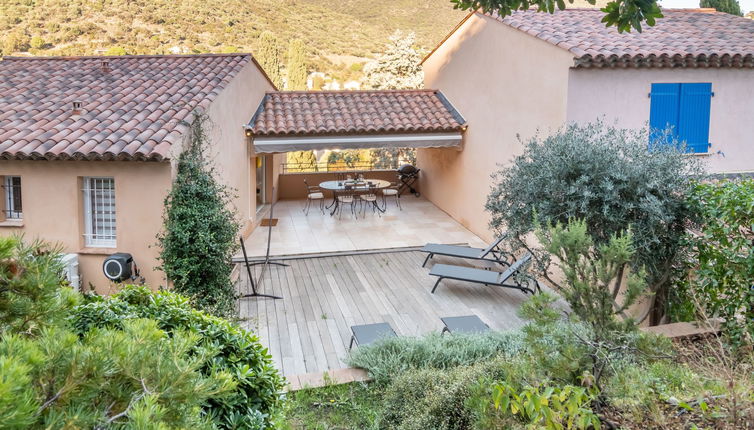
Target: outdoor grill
column 408, row 174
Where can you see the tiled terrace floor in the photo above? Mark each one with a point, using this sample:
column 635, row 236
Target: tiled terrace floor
column 309, row 329
column 418, row 223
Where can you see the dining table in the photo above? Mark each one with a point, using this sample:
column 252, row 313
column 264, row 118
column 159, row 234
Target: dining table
column 364, row 186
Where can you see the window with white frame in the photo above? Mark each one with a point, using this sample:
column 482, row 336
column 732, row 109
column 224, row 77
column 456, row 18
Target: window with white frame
column 99, row 212
column 13, row 207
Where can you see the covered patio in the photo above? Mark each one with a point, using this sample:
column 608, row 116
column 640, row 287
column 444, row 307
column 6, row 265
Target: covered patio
column 417, row 223
column 292, row 121
column 345, row 270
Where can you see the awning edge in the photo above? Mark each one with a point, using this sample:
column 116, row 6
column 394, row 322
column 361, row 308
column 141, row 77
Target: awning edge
column 267, row 145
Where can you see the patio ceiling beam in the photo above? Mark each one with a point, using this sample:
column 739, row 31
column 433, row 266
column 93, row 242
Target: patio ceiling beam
column 279, row 144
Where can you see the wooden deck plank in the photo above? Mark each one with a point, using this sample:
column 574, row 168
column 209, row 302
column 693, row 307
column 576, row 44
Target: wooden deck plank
column 290, row 344
column 333, row 309
column 308, row 331
column 317, row 328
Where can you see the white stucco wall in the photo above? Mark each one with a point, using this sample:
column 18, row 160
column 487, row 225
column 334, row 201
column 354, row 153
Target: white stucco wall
column 505, row 83
column 621, row 96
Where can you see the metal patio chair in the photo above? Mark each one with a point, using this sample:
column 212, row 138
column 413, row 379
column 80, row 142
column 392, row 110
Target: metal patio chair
column 314, row 193
column 346, row 198
column 392, row 190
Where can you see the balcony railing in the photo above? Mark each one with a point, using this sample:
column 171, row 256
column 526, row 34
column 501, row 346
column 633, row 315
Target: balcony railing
column 336, row 167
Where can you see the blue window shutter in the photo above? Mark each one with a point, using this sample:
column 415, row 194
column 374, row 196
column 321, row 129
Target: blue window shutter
column 693, row 125
column 663, row 112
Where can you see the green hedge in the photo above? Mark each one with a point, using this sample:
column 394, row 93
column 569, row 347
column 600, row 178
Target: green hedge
column 258, row 395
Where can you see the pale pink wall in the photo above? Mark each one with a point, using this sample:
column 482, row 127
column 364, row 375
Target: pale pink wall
column 292, row 184
column 51, row 190
column 621, row 96
column 53, row 210
column 505, row 83
column 232, row 151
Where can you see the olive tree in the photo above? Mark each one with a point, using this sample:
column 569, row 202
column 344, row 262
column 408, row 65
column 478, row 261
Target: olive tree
column 609, row 178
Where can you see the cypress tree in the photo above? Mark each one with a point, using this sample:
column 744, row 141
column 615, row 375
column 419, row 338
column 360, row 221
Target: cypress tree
column 296, row 65
column 268, row 55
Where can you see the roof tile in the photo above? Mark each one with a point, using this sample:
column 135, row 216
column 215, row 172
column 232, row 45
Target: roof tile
column 683, row 38
column 128, row 113
column 284, row 113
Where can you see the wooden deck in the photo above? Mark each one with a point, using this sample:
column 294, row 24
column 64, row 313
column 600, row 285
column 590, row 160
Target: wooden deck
column 309, row 329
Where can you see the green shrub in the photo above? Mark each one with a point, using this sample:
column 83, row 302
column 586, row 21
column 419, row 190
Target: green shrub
column 548, row 407
column 641, row 386
column 32, row 296
column 342, row 406
column 435, row 398
column 607, row 177
column 137, row 377
column 234, row 350
column 722, row 257
column 391, row 357
column 200, row 231
column 139, row 359
column 568, row 350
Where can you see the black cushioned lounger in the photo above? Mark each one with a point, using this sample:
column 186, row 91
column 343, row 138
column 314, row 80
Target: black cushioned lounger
column 481, row 276
column 368, row 333
column 489, row 253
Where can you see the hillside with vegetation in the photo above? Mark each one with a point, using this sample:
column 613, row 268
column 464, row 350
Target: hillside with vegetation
column 332, row 32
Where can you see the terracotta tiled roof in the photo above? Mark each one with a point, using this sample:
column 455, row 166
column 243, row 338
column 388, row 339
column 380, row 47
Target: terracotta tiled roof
column 355, row 112
column 131, row 109
column 683, row 38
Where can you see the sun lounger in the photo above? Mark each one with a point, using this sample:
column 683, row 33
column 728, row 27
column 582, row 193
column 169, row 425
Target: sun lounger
column 368, row 333
column 489, row 253
column 481, row 276
column 467, row 324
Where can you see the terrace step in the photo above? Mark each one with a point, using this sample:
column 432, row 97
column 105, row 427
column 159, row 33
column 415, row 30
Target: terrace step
column 683, row 329
column 329, row 377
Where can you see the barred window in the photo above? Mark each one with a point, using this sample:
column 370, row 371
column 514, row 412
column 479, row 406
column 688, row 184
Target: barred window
column 13, row 207
column 99, row 212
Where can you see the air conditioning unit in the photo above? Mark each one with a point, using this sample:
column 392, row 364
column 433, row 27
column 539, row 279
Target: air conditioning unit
column 118, row 267
column 71, row 270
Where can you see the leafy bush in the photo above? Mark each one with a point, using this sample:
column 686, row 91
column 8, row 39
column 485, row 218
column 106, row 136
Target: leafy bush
column 388, row 358
column 138, row 376
column 607, row 177
column 722, row 257
column 435, row 398
column 200, row 229
column 556, row 408
column 233, row 350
